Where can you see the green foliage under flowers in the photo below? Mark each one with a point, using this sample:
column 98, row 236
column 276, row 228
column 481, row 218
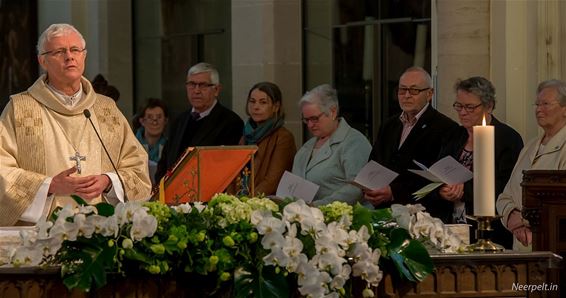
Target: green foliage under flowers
column 217, row 240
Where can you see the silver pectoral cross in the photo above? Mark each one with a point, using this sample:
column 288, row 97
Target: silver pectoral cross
column 77, row 158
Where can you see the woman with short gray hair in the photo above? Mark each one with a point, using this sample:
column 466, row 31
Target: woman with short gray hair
column 336, row 152
column 475, row 100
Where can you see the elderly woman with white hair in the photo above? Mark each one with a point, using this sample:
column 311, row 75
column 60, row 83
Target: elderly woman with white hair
column 546, row 152
column 335, row 153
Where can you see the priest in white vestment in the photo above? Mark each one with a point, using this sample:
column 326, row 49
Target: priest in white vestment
column 48, row 148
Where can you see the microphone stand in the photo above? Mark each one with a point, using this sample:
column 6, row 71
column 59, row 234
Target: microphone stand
column 86, row 112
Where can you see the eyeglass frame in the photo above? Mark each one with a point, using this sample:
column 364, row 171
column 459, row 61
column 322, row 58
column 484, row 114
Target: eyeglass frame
column 411, row 90
column 545, row 105
column 458, row 107
column 154, row 119
column 313, row 119
column 201, row 85
column 60, row 52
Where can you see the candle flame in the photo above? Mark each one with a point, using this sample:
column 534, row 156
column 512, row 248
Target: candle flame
column 483, row 121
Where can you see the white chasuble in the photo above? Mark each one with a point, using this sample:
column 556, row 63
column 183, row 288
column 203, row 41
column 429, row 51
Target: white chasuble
column 40, row 135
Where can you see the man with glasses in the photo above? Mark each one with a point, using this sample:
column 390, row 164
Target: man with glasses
column 415, row 134
column 49, row 149
column 206, row 123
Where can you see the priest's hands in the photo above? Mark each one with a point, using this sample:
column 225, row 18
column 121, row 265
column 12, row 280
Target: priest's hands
column 452, row 193
column 378, row 196
column 87, row 187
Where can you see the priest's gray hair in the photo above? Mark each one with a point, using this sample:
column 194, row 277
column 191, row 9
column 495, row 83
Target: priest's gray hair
column 558, row 85
column 205, row 67
column 324, row 96
column 56, row 30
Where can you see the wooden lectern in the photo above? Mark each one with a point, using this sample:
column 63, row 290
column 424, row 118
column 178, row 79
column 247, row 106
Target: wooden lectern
column 202, row 172
column 544, row 206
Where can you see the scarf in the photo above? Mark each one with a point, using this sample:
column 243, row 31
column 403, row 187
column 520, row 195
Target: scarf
column 253, row 133
column 153, row 152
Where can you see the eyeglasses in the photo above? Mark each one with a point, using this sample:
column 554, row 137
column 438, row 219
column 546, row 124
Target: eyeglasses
column 154, row 119
column 544, row 105
column 59, row 53
column 412, row 91
column 313, row 119
column 469, row 108
column 199, row 85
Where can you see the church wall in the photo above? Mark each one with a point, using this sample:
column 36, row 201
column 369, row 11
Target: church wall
column 266, row 46
column 515, row 44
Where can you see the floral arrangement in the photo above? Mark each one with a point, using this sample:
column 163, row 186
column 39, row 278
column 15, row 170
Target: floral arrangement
column 254, row 244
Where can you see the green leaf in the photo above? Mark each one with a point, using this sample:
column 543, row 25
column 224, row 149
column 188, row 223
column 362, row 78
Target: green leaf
column 105, row 209
column 134, row 255
column 96, row 261
column 418, row 260
column 267, row 284
column 399, row 262
column 409, row 256
column 383, row 214
column 362, row 217
column 55, row 214
column 79, row 200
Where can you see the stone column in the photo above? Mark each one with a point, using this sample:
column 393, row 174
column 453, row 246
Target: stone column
column 266, row 46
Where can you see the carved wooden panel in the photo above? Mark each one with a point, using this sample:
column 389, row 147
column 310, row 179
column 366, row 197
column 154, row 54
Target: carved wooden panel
column 477, row 275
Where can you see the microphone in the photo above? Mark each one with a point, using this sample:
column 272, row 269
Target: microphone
column 86, row 112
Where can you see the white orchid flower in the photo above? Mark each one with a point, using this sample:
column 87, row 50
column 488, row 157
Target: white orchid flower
column 339, row 234
column 272, row 240
column 109, row 226
column 29, row 237
column 183, row 208
column 340, row 280
column 49, row 246
column 293, row 246
column 86, row 228
column 26, row 256
column 66, row 212
column 87, row 209
column 331, row 262
column 294, row 262
column 276, row 257
column 143, row 225
column 43, row 228
column 64, row 230
column 270, row 224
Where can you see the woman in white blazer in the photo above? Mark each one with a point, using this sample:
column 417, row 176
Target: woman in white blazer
column 547, row 152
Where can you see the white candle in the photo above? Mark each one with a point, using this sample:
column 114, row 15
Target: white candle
column 484, row 170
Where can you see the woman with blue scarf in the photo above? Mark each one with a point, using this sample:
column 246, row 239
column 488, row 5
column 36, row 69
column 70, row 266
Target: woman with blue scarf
column 264, row 128
column 153, row 119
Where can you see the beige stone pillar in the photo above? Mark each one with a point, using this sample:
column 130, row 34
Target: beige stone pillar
column 266, row 46
column 462, row 46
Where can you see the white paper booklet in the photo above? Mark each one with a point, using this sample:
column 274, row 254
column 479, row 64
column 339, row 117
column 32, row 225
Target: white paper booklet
column 292, row 185
column 373, row 176
column 445, row 171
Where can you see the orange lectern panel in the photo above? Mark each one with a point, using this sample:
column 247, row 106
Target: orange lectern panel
column 203, row 172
